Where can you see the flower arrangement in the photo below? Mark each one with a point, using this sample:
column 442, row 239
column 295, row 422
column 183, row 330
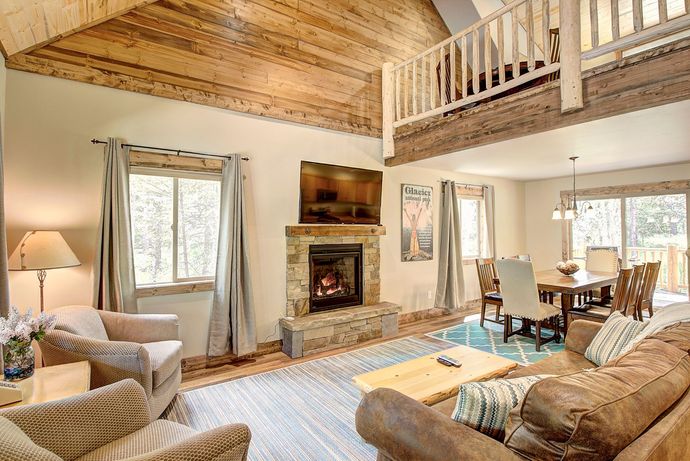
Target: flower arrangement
column 16, row 333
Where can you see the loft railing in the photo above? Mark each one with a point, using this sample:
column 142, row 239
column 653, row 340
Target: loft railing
column 515, row 45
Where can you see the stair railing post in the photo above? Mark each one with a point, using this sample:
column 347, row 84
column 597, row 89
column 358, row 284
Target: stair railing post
column 571, row 56
column 388, row 102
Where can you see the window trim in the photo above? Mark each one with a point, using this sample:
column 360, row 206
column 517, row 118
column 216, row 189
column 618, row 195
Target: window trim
column 469, row 259
column 177, row 285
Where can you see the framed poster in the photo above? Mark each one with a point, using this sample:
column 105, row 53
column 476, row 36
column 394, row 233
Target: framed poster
column 417, row 223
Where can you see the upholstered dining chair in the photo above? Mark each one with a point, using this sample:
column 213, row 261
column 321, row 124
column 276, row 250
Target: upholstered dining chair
column 521, row 299
column 599, row 312
column 144, row 347
column 111, row 423
column 490, row 290
column 645, row 299
column 600, row 260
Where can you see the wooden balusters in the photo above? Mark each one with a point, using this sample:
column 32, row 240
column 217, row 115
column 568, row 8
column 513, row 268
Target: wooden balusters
column 516, row 43
column 488, row 66
column 414, row 87
column 398, row 114
column 423, row 78
column 594, row 22
column 615, row 20
column 475, row 61
column 545, row 32
column 463, row 60
column 444, row 82
column 407, row 93
column 638, row 20
column 500, row 45
column 531, row 65
column 453, row 77
column 663, row 12
column 432, row 73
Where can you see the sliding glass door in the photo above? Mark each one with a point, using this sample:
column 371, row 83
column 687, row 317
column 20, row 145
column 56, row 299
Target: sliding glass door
column 644, row 228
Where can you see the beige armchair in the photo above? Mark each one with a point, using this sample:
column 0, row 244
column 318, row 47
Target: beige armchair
column 144, row 347
column 111, row 423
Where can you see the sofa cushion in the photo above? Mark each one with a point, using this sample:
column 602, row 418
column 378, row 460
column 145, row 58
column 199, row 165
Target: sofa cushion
column 15, row 445
column 616, row 333
column 484, row 406
column 561, row 363
column 594, row 414
column 677, row 335
column 165, row 358
column 158, row 434
column 80, row 320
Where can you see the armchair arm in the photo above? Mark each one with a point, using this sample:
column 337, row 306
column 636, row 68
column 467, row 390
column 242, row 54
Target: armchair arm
column 140, row 328
column 580, row 335
column 78, row 425
column 110, row 361
column 404, row 429
column 229, row 442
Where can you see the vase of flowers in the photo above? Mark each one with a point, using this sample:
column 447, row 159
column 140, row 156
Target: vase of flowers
column 16, row 333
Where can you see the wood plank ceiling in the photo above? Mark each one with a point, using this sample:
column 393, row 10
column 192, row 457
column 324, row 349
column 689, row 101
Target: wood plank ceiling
column 28, row 24
column 308, row 61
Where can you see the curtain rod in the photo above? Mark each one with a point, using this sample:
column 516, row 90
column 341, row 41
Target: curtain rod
column 461, row 184
column 164, row 149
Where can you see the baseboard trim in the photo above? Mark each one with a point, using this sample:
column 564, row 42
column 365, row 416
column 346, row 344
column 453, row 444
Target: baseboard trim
column 202, row 362
column 433, row 312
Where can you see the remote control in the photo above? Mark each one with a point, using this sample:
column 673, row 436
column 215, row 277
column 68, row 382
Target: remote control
column 448, row 361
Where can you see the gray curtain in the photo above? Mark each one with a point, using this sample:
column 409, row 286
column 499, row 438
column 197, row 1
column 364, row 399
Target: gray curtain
column 450, row 289
column 489, row 216
column 113, row 268
column 233, row 325
column 4, row 278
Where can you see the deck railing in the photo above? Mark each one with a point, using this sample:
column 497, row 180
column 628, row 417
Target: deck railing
column 673, row 275
column 516, row 49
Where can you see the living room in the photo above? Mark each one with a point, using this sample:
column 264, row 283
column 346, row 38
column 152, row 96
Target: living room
column 54, row 180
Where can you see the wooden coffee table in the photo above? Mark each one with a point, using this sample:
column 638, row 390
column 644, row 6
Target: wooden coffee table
column 429, row 382
column 54, row 383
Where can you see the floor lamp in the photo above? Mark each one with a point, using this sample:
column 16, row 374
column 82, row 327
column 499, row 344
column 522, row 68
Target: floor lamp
column 41, row 251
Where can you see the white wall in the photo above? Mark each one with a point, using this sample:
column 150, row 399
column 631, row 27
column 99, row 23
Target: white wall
column 3, row 79
column 544, row 234
column 54, row 177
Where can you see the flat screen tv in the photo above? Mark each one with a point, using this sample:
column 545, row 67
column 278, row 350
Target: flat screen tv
column 332, row 194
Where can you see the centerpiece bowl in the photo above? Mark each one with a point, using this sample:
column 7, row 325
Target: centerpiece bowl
column 567, row 267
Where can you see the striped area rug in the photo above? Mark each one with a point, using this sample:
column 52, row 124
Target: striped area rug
column 301, row 412
column 489, row 338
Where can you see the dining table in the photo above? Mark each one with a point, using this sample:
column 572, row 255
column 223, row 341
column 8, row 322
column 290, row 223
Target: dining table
column 569, row 286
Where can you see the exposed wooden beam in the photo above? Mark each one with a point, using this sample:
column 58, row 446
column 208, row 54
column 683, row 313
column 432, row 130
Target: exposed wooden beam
column 29, row 24
column 653, row 78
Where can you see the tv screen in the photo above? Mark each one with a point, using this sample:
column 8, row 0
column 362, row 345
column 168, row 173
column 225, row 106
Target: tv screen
column 332, row 194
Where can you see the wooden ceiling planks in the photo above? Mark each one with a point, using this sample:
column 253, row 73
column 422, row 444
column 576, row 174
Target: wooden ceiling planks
column 307, row 61
column 27, row 24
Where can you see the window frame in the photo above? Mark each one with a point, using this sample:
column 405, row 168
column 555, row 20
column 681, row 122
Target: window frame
column 178, row 284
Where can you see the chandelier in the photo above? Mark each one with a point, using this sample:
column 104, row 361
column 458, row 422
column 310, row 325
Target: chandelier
column 569, row 209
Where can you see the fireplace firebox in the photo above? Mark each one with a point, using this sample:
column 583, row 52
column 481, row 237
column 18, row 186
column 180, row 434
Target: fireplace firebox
column 335, row 276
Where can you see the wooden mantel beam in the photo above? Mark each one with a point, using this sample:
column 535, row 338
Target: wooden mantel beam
column 29, row 24
column 652, row 78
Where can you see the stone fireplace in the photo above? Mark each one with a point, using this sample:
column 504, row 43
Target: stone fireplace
column 333, row 288
column 335, row 276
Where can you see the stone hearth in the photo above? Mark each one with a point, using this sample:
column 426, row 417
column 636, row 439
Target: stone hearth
column 307, row 333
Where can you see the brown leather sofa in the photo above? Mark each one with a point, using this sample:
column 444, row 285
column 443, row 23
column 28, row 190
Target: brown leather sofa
column 405, row 430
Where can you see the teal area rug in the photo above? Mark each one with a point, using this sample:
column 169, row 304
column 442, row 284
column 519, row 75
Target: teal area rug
column 302, row 412
column 490, row 339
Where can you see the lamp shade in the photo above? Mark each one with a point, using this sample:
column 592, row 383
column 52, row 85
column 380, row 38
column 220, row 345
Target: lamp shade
column 42, row 250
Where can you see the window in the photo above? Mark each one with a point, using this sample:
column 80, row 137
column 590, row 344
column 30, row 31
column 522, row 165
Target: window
column 474, row 236
column 175, row 219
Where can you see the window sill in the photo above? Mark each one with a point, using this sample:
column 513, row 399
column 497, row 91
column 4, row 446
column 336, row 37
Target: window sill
column 469, row 261
column 174, row 288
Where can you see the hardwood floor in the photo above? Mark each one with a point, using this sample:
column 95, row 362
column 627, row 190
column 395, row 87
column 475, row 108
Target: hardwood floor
column 278, row 360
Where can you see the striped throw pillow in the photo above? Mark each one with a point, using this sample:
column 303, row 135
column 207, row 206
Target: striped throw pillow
column 609, row 342
column 484, row 406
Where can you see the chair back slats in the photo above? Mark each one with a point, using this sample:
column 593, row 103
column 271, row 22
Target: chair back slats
column 646, row 297
column 620, row 297
column 634, row 291
column 486, row 271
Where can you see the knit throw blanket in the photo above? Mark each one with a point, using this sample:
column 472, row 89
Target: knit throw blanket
column 664, row 318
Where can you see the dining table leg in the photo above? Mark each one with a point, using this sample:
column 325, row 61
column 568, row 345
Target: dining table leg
column 566, row 304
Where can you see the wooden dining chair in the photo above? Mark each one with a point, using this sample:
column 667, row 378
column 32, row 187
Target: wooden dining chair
column 490, row 289
column 645, row 299
column 521, row 299
column 635, row 290
column 599, row 313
